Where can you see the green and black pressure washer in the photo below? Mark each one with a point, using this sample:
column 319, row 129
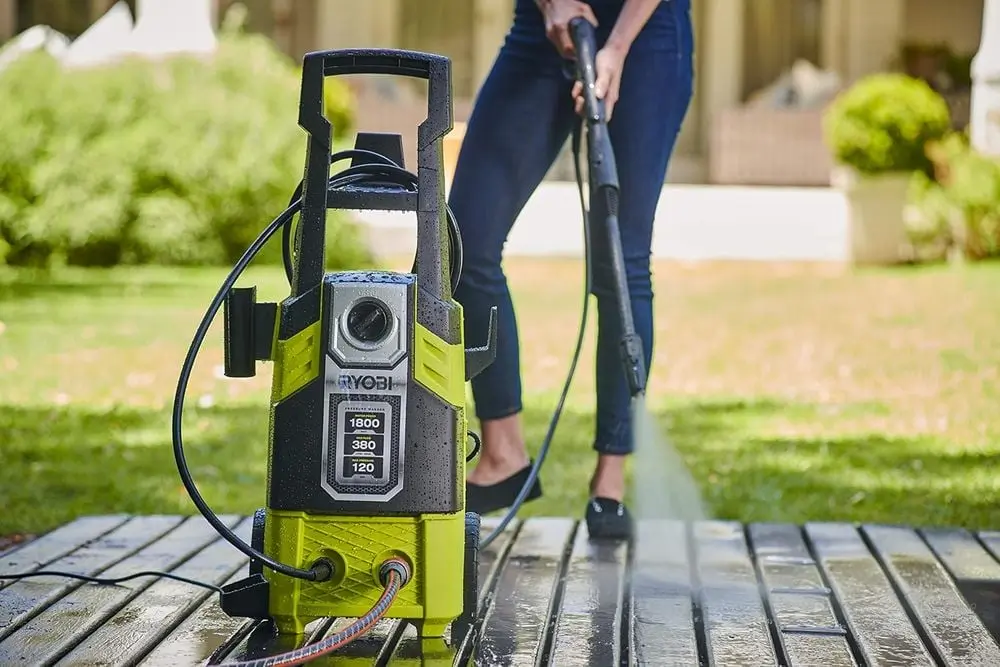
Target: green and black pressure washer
column 365, row 506
column 365, row 514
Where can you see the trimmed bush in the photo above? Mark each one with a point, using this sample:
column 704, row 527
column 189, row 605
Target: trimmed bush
column 182, row 161
column 959, row 209
column 883, row 122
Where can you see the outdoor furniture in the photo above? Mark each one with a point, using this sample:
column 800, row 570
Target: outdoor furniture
column 716, row 592
column 766, row 146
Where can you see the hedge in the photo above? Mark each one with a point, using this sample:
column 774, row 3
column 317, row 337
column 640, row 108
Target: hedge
column 181, row 161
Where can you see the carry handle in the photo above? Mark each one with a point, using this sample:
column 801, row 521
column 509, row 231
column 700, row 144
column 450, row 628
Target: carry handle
column 433, row 262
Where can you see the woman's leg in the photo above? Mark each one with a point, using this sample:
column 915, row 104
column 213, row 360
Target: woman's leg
column 522, row 117
column 655, row 92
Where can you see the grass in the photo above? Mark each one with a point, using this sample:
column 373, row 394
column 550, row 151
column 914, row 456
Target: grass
column 794, row 392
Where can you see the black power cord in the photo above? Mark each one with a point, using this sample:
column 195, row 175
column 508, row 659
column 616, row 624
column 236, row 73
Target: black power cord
column 475, row 449
column 112, row 582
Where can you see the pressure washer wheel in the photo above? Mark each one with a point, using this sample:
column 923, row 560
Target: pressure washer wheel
column 463, row 624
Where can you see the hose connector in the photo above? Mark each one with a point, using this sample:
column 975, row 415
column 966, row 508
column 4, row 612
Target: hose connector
column 397, row 565
column 322, row 570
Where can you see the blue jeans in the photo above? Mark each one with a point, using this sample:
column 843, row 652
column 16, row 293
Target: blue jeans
column 522, row 117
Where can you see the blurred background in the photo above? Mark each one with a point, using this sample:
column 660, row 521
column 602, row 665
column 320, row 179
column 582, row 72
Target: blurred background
column 828, row 312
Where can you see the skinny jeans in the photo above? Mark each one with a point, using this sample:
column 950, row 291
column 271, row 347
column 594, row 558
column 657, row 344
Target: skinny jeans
column 523, row 116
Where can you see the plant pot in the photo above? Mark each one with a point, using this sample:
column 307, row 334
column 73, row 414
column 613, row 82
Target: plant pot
column 451, row 145
column 877, row 231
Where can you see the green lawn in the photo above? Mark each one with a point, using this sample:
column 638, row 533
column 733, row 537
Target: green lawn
column 794, row 392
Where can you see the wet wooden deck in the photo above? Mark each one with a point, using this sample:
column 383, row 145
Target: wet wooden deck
column 711, row 593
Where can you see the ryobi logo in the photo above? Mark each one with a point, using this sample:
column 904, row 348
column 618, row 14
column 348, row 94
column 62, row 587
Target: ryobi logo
column 368, row 382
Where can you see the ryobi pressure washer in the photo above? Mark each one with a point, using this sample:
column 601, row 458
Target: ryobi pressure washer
column 366, row 459
column 365, row 512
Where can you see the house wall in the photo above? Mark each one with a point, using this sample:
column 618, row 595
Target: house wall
column 8, row 19
column 740, row 45
column 958, row 23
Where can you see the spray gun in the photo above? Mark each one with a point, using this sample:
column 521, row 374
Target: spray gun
column 604, row 187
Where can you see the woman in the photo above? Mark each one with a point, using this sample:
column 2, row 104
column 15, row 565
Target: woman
column 523, row 116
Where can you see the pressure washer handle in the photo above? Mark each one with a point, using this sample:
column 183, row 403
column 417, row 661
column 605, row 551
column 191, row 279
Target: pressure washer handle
column 585, row 45
column 432, row 228
column 603, row 169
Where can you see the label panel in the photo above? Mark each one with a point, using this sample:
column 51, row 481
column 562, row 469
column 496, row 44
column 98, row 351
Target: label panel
column 365, row 452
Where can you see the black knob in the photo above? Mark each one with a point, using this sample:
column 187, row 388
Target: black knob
column 369, row 321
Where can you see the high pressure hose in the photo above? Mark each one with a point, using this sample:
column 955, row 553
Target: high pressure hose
column 394, row 574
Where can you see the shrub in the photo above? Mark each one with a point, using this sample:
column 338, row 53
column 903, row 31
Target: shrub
column 958, row 210
column 883, row 123
column 182, row 161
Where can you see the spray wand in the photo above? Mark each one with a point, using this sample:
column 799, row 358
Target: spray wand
column 603, row 174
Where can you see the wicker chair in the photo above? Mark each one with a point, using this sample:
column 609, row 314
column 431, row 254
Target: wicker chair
column 762, row 146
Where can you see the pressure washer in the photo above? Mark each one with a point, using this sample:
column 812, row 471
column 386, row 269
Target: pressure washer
column 365, row 512
column 365, row 509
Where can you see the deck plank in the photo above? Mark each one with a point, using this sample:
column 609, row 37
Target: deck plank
column 991, row 540
column 55, row 544
column 688, row 594
column 589, row 626
column 956, row 632
column 736, row 623
column 801, row 604
column 516, row 623
column 491, row 559
column 199, row 636
column 975, row 570
column 136, row 628
column 662, row 619
column 874, row 615
column 67, row 621
column 407, row 649
column 263, row 641
column 960, row 552
column 22, row 600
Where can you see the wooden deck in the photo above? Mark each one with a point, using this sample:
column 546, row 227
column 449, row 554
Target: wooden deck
column 711, row 593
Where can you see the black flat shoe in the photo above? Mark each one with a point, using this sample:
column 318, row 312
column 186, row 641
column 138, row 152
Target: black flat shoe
column 608, row 520
column 485, row 499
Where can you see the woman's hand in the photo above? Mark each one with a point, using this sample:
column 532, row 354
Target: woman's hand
column 558, row 14
column 609, row 63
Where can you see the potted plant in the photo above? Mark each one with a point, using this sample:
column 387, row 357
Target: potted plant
column 877, row 131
